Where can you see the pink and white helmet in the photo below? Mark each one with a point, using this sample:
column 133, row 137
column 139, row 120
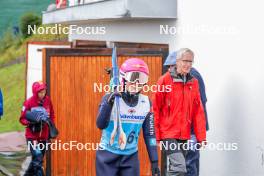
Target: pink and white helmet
column 134, row 70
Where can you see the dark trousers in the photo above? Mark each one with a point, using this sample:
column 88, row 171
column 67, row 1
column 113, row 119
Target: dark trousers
column 193, row 159
column 37, row 153
column 110, row 164
column 173, row 161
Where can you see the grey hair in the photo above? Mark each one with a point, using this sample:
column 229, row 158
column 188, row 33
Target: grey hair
column 182, row 51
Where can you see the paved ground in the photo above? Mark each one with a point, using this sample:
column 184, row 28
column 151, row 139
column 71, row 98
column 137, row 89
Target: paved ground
column 14, row 158
column 12, row 142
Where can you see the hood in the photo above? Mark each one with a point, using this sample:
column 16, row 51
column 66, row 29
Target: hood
column 38, row 86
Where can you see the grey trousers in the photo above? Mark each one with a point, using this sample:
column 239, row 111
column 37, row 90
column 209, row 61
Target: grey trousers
column 173, row 158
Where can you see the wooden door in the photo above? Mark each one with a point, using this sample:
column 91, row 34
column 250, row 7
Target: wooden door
column 71, row 75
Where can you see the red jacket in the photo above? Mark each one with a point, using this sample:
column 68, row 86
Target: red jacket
column 34, row 102
column 176, row 110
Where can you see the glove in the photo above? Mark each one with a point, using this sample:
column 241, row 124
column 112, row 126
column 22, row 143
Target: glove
column 112, row 96
column 200, row 144
column 155, row 169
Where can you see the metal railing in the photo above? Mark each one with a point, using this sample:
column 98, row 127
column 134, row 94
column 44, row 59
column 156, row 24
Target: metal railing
column 70, row 3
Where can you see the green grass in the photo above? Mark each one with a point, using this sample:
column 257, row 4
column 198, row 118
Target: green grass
column 12, row 78
column 12, row 53
column 12, row 83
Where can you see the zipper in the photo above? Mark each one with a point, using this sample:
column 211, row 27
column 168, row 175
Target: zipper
column 183, row 93
column 185, row 107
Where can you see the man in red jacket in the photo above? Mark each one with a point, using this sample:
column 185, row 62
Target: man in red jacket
column 37, row 132
column 176, row 111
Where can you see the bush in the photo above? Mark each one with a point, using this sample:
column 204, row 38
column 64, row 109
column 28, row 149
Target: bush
column 29, row 19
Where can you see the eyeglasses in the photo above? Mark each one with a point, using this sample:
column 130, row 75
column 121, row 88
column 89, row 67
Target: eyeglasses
column 187, row 61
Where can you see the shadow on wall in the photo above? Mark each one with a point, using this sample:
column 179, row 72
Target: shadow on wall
column 235, row 120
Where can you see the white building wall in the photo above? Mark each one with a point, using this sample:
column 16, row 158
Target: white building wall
column 231, row 64
column 34, row 66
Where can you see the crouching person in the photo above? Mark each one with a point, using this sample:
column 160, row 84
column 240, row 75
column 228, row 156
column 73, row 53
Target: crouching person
column 37, row 115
